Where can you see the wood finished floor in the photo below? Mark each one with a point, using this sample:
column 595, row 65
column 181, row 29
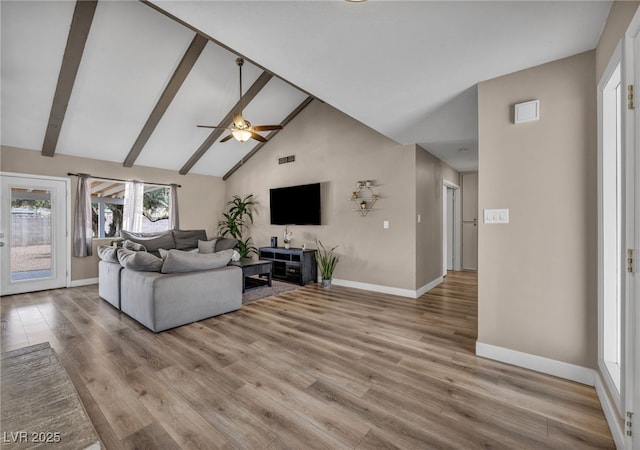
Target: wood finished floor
column 315, row 368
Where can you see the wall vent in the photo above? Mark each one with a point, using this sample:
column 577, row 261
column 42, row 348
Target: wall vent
column 287, row 159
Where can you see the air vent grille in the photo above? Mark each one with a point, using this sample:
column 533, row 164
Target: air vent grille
column 287, row 159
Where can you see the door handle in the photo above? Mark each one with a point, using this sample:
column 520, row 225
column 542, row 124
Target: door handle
column 1, row 244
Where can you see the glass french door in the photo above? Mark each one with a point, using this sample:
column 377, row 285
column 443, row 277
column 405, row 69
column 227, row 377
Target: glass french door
column 33, row 233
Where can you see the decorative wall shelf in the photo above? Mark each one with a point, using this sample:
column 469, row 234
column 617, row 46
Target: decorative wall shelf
column 363, row 197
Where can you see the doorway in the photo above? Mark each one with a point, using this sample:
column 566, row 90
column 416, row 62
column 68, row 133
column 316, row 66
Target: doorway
column 34, row 244
column 618, row 239
column 451, row 239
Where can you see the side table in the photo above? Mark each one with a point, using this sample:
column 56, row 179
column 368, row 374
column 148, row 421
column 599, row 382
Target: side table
column 251, row 267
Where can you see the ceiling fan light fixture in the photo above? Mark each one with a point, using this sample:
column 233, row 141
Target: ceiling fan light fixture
column 241, row 135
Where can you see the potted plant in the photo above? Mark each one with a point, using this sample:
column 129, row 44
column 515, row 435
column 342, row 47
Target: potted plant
column 327, row 261
column 288, row 237
column 239, row 214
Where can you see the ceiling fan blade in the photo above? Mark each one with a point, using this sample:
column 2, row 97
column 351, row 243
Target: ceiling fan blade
column 257, row 137
column 267, row 127
column 226, row 138
column 239, row 121
column 211, row 126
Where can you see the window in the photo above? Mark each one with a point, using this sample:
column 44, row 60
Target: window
column 155, row 208
column 107, row 201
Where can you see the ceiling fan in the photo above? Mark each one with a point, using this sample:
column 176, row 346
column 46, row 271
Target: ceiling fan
column 242, row 129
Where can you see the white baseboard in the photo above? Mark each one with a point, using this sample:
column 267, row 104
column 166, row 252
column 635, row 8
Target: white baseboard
column 610, row 412
column 553, row 367
column 388, row 289
column 84, row 282
column 427, row 287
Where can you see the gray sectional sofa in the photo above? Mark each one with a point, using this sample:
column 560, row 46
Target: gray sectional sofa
column 182, row 287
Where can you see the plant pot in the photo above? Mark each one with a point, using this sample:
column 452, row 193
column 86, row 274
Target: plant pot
column 326, row 283
column 287, row 245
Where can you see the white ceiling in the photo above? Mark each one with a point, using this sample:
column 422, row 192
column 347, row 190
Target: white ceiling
column 406, row 69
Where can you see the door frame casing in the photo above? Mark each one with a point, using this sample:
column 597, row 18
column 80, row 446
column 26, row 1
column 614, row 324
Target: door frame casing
column 67, row 215
column 616, row 59
column 457, row 222
column 615, row 409
column 630, row 137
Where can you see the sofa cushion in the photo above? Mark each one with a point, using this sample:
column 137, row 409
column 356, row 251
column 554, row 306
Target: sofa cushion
column 108, row 253
column 223, row 243
column 188, row 239
column 178, row 261
column 141, row 261
column 130, row 245
column 151, row 241
column 163, row 252
column 207, row 246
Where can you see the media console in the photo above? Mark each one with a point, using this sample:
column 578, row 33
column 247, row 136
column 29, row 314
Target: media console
column 291, row 264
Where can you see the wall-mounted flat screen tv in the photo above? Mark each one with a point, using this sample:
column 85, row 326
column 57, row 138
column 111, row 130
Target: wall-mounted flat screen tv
column 295, row 205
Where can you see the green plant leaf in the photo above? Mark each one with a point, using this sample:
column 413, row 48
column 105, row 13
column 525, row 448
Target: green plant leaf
column 327, row 260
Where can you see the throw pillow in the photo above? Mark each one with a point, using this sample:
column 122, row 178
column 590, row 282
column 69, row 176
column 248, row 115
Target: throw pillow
column 108, row 253
column 207, row 246
column 164, row 253
column 151, row 241
column 141, row 261
column 225, row 244
column 188, row 239
column 130, row 245
column 178, row 261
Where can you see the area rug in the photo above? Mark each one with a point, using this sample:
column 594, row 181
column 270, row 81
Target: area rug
column 40, row 405
column 258, row 293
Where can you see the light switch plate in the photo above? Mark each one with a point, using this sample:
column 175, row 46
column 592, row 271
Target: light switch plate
column 492, row 216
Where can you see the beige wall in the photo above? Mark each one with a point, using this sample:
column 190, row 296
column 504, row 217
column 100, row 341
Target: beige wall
column 450, row 174
column 537, row 291
column 333, row 149
column 618, row 21
column 201, row 198
column 430, row 172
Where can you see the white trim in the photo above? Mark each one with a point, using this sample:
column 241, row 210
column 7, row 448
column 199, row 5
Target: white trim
column 610, row 411
column 84, row 282
column 607, row 380
column 631, row 140
column 549, row 366
column 67, row 204
column 457, row 225
column 427, row 287
column 39, row 177
column 389, row 289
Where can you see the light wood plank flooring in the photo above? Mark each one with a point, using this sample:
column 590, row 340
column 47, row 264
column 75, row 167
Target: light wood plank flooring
column 315, row 368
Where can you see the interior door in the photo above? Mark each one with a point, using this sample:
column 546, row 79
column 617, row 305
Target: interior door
column 631, row 374
column 33, row 233
column 470, row 221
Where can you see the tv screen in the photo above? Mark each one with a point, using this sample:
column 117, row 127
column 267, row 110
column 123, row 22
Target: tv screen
column 295, row 205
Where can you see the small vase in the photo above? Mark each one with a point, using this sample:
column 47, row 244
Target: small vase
column 287, row 245
column 326, row 283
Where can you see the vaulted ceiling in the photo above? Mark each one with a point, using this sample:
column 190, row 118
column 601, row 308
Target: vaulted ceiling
column 133, row 88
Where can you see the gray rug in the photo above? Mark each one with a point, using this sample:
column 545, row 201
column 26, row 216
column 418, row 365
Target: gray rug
column 40, row 405
column 258, row 293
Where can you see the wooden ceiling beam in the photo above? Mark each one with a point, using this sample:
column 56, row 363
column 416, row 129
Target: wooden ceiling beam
column 255, row 88
column 179, row 75
column 216, row 41
column 78, row 33
column 257, row 148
